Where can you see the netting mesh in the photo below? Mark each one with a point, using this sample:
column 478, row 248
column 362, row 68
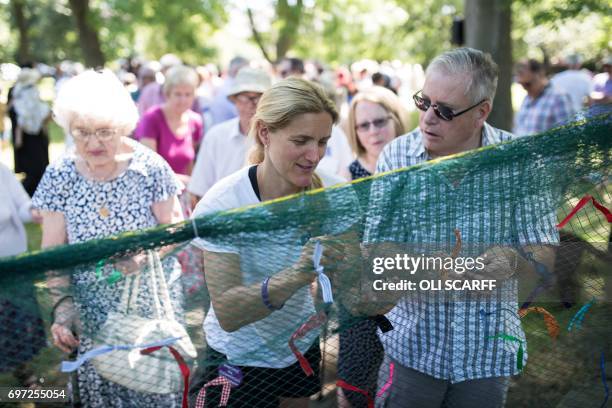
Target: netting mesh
column 543, row 319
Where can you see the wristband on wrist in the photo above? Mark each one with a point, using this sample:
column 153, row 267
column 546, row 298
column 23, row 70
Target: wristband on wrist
column 265, row 296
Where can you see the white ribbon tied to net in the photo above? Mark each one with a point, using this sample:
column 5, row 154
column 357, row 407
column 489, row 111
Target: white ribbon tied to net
column 324, row 281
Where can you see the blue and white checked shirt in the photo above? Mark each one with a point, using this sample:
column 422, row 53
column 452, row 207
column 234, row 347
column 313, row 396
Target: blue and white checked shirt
column 442, row 334
column 553, row 107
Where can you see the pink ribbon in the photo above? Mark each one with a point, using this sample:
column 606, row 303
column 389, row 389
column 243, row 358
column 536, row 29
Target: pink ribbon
column 312, row 323
column 389, row 381
column 225, row 392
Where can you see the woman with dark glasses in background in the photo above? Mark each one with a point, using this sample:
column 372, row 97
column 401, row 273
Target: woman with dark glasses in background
column 376, row 117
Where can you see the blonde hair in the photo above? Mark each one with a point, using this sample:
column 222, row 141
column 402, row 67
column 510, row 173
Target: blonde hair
column 180, row 75
column 281, row 104
column 95, row 96
column 388, row 101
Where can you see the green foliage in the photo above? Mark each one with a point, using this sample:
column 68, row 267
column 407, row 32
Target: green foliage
column 559, row 11
column 150, row 27
column 159, row 27
column 561, row 27
column 343, row 31
column 334, row 31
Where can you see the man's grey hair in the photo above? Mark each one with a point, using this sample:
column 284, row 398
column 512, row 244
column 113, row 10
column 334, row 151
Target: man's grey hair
column 478, row 67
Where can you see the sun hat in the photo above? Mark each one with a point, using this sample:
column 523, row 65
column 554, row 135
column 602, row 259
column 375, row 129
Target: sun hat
column 250, row 80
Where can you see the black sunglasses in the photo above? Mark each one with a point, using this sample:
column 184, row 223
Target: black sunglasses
column 441, row 111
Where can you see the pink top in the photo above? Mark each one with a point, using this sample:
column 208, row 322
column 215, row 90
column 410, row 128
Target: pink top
column 178, row 152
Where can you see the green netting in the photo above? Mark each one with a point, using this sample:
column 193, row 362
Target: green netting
column 546, row 324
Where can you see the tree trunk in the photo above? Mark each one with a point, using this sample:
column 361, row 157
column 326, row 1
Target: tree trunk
column 290, row 17
column 487, row 28
column 88, row 35
column 22, row 24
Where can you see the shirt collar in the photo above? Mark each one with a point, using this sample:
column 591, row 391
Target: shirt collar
column 489, row 135
column 416, row 148
column 236, row 129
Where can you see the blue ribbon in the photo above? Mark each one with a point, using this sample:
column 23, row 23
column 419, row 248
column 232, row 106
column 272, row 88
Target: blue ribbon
column 579, row 316
column 70, row 366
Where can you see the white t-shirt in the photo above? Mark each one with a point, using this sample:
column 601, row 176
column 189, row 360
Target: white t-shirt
column 338, row 155
column 265, row 252
column 222, row 152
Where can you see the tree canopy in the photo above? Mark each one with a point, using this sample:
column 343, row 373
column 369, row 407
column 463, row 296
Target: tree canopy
column 333, row 31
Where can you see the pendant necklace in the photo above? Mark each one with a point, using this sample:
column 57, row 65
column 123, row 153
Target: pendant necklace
column 103, row 210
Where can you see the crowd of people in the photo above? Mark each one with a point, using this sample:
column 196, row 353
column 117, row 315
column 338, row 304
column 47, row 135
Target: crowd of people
column 164, row 141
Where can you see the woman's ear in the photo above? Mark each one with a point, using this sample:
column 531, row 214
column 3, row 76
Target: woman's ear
column 263, row 133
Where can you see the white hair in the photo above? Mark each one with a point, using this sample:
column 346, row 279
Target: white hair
column 95, row 96
column 478, row 67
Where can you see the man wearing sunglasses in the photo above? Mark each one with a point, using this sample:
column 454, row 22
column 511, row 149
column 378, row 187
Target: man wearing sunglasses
column 441, row 350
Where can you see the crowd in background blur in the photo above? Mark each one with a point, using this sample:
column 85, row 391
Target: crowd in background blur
column 553, row 95
column 198, row 118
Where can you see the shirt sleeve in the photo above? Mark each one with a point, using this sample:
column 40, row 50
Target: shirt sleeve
column 166, row 184
column 535, row 215
column 21, row 199
column 53, row 190
column 223, row 243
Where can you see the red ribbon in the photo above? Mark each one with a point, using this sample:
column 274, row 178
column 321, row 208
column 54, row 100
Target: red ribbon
column 583, row 201
column 225, row 392
column 312, row 323
column 182, row 365
column 349, row 387
column 551, row 323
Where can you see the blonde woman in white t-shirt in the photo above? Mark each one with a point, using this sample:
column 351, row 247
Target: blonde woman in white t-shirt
column 260, row 282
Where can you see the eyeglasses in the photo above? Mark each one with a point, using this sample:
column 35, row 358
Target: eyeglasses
column 377, row 123
column 246, row 98
column 441, row 111
column 103, row 134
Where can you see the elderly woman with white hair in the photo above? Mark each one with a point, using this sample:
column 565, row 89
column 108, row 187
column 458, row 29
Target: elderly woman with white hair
column 84, row 196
